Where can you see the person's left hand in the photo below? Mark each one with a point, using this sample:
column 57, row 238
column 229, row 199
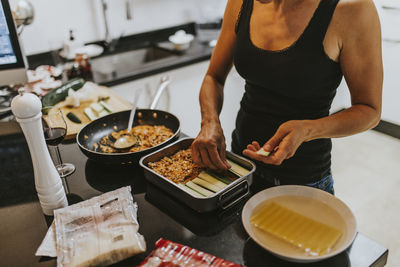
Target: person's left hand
column 283, row 145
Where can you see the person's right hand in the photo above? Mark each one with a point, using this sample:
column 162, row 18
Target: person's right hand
column 208, row 149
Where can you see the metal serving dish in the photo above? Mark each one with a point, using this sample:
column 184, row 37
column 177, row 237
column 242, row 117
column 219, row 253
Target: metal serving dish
column 223, row 199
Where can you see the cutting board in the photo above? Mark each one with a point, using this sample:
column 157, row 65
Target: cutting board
column 116, row 103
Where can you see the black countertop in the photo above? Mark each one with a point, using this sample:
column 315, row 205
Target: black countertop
column 23, row 226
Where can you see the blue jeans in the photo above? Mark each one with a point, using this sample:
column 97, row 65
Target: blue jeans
column 262, row 180
column 325, row 184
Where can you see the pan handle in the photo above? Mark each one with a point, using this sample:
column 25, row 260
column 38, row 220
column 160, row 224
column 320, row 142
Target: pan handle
column 242, row 189
column 165, row 81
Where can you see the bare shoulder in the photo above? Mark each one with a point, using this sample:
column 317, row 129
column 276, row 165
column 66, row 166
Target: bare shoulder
column 356, row 14
column 233, row 8
column 236, row 4
column 358, row 8
column 232, row 12
column 354, row 18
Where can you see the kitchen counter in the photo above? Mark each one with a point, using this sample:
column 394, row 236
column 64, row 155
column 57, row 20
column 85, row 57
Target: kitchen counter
column 125, row 62
column 133, row 57
column 23, row 226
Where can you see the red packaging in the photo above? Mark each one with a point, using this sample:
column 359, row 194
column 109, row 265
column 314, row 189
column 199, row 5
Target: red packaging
column 171, row 254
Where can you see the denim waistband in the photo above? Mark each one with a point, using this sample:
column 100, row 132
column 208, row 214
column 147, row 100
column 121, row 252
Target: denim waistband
column 325, row 184
column 277, row 180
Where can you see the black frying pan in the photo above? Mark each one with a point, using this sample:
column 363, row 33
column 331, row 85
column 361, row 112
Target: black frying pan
column 94, row 131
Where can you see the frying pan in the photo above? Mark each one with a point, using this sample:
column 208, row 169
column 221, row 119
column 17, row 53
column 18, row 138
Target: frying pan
column 94, row 131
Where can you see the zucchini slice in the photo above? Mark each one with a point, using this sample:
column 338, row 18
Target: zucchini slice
column 97, row 108
column 189, row 190
column 106, row 106
column 223, row 179
column 206, row 184
column 207, row 177
column 90, row 114
column 199, row 189
column 103, row 113
column 238, row 169
column 262, row 152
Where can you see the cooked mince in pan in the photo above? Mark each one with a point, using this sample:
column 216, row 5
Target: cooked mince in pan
column 150, row 136
column 178, row 167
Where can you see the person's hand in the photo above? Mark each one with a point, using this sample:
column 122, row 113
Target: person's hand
column 208, row 149
column 283, row 145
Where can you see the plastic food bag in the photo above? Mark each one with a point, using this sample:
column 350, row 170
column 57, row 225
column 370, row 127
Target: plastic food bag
column 168, row 253
column 98, row 232
column 48, row 246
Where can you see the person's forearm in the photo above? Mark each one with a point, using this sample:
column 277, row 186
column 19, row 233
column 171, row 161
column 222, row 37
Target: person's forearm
column 211, row 99
column 355, row 119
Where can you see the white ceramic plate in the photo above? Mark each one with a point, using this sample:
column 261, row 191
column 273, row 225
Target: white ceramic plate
column 91, row 50
column 313, row 203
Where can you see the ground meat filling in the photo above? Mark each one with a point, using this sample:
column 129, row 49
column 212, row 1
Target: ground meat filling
column 179, row 167
column 150, row 136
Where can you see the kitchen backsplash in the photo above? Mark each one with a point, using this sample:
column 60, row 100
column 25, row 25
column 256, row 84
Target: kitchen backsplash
column 54, row 18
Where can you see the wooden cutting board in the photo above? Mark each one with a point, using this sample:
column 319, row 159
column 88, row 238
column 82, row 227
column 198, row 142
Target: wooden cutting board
column 116, row 103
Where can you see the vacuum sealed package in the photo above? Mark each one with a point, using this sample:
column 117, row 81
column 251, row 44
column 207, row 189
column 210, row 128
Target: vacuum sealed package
column 168, row 253
column 48, row 246
column 97, row 232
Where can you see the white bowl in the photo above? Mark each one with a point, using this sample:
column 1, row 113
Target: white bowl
column 338, row 215
column 91, row 50
column 181, row 42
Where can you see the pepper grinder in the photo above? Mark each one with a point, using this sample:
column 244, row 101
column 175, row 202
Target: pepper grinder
column 27, row 107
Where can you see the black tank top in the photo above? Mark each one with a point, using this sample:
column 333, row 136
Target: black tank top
column 296, row 83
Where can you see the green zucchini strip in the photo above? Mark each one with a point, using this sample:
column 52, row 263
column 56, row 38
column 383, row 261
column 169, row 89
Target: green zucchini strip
column 206, row 184
column 199, row 189
column 237, row 168
column 207, row 177
column 221, row 178
column 189, row 190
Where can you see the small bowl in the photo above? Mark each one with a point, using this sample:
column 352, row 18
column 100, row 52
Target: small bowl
column 181, row 41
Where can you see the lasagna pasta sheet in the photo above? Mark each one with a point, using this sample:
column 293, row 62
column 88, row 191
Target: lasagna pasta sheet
column 102, row 231
column 313, row 237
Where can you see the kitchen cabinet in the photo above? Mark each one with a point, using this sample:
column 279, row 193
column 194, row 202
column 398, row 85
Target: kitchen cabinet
column 181, row 97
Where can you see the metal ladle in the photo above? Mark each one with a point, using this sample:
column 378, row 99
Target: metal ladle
column 128, row 139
